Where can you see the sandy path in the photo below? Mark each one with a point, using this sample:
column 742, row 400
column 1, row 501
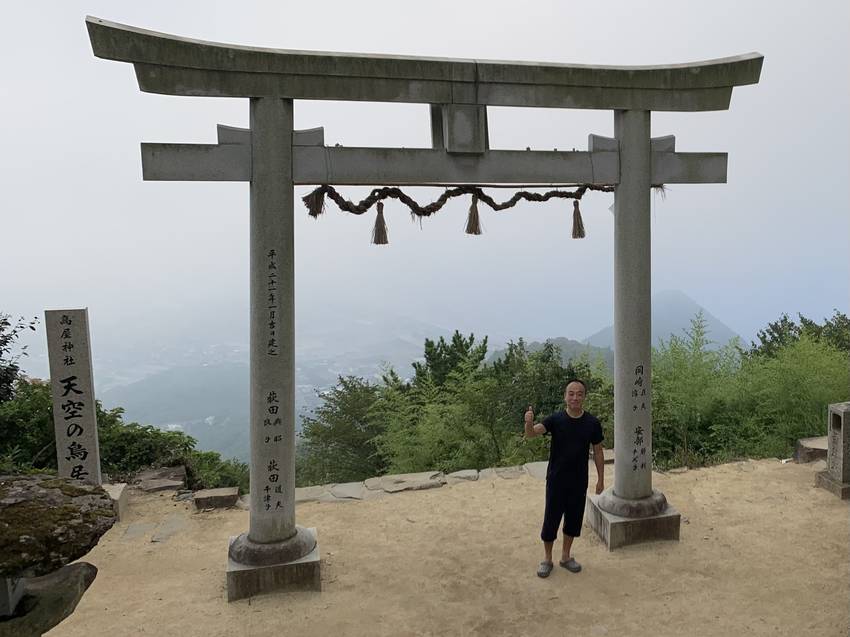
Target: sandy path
column 763, row 552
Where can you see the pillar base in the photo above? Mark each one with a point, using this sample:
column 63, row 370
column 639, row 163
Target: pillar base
column 826, row 481
column 616, row 531
column 247, row 580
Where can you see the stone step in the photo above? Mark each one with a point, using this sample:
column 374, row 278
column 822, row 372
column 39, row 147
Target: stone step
column 221, row 498
column 810, row 449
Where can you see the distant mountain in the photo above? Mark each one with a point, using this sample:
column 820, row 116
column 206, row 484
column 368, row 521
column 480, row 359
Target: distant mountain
column 672, row 311
column 206, row 395
column 570, row 350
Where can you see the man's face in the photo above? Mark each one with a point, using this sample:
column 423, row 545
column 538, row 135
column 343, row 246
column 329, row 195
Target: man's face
column 574, row 396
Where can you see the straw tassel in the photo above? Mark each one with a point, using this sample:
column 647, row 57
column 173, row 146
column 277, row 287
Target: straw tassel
column 379, row 232
column 578, row 224
column 473, row 221
column 315, row 202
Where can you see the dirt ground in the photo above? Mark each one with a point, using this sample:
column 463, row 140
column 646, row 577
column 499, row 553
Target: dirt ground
column 762, row 552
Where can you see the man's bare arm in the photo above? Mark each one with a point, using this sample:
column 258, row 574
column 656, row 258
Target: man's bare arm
column 599, row 461
column 532, row 429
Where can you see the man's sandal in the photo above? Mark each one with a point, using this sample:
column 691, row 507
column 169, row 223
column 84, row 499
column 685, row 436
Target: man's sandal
column 571, row 565
column 544, row 569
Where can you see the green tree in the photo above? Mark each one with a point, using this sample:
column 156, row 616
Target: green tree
column 691, row 386
column 442, row 357
column 338, row 439
column 9, row 362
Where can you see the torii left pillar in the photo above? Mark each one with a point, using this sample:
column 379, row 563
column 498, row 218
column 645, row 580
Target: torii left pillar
column 274, row 553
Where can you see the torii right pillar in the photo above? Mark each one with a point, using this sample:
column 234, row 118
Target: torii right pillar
column 632, row 511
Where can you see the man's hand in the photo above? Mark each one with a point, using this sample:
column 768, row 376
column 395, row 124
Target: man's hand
column 600, row 486
column 529, row 415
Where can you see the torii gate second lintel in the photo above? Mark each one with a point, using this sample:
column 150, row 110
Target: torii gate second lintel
column 273, row 157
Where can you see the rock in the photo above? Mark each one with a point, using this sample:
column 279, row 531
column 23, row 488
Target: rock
column 537, row 469
column 811, row 449
column 406, row 481
column 47, row 522
column 221, row 498
column 244, row 502
column 487, row 474
column 48, row 600
column 464, row 475
column 162, row 479
column 678, row 470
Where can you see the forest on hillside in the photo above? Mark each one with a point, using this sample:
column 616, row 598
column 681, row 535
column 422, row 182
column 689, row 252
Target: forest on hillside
column 463, row 411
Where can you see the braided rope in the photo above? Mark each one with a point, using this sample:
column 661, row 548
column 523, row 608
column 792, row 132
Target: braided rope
column 314, row 201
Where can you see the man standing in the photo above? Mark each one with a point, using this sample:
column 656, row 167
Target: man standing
column 572, row 431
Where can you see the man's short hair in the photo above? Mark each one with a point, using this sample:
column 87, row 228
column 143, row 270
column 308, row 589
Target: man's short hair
column 576, row 380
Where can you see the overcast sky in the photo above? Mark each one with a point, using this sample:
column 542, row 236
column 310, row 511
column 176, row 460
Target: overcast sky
column 81, row 228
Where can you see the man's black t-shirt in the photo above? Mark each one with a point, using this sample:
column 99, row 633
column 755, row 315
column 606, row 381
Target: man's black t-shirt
column 568, row 451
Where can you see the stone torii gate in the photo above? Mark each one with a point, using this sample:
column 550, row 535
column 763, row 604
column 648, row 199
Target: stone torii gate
column 275, row 553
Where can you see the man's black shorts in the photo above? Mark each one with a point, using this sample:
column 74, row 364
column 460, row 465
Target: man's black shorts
column 566, row 502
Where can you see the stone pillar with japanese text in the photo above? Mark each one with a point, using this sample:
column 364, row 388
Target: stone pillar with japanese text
column 72, row 391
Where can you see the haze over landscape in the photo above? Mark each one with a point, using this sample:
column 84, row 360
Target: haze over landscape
column 163, row 267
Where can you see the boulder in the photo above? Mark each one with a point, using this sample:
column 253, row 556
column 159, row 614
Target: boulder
column 47, row 522
column 510, row 473
column 48, row 600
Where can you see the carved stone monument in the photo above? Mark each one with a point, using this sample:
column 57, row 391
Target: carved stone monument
column 272, row 157
column 836, row 477
column 72, row 388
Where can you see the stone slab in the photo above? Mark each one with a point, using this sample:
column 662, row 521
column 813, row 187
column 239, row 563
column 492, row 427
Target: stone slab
column 406, row 481
column 120, row 497
column 824, row 480
column 349, row 491
column 172, row 523
column 536, row 469
column 160, row 484
column 811, row 449
column 301, row 575
column 138, row 529
column 317, row 493
column 487, row 474
column 221, row 498
column 616, row 531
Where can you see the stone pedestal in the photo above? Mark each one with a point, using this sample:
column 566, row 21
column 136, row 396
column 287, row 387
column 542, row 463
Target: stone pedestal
column 826, row 481
column 302, row 574
column 617, row 531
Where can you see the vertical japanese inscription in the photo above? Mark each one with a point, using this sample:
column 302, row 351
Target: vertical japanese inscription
column 72, row 390
column 272, row 437
column 639, row 400
column 273, row 302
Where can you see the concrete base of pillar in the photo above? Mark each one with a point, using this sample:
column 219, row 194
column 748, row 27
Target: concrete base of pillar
column 826, row 481
column 617, row 531
column 303, row 574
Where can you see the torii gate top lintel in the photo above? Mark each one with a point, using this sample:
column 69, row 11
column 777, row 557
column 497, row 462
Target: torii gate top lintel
column 173, row 65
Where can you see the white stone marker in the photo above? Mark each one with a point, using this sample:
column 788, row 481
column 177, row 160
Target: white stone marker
column 72, row 388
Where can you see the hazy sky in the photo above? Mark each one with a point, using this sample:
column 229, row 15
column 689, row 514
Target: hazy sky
column 81, row 228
